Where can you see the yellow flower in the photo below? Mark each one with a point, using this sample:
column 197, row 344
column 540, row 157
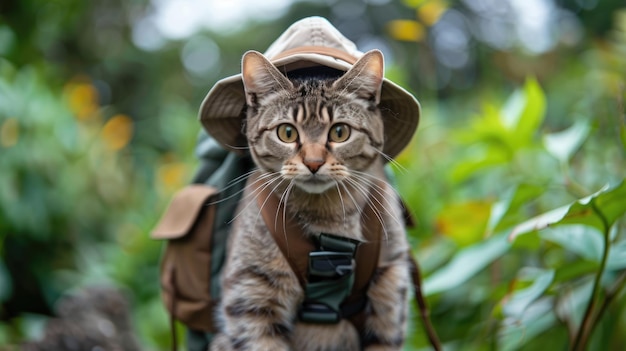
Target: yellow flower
column 406, row 30
column 9, row 132
column 431, row 12
column 171, row 176
column 117, row 132
column 83, row 98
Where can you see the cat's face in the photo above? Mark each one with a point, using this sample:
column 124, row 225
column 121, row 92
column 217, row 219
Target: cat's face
column 316, row 133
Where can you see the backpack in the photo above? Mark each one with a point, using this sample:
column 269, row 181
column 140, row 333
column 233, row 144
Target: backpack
column 195, row 228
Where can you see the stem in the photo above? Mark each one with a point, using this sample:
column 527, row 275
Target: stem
column 610, row 295
column 423, row 307
column 587, row 324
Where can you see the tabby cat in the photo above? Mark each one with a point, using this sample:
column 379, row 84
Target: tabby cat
column 316, row 138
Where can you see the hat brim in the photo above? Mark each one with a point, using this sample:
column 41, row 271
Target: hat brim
column 223, row 109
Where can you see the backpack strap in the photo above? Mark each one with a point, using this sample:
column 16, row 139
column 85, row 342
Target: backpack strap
column 287, row 233
column 296, row 247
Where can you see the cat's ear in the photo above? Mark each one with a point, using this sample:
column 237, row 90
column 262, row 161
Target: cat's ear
column 365, row 78
column 260, row 77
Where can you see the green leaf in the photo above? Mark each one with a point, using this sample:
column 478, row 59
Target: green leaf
column 537, row 318
column 524, row 112
column 529, row 241
column 539, row 222
column 465, row 264
column 534, row 111
column 582, row 240
column 521, row 299
column 609, row 202
column 617, row 256
column 576, row 269
column 571, row 302
column 597, row 210
column 6, row 287
column 509, row 203
column 564, row 144
column 479, row 159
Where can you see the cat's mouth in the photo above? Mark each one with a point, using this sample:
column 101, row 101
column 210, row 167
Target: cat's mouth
column 315, row 184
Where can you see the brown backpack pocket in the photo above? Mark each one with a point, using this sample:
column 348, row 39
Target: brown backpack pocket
column 187, row 225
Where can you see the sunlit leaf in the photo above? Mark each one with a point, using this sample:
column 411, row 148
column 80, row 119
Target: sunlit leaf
column 478, row 160
column 564, row 144
column 540, row 281
column 464, row 222
column 488, row 127
column 538, row 222
column 534, row 110
column 414, row 3
column 465, row 264
column 512, row 111
column 524, row 112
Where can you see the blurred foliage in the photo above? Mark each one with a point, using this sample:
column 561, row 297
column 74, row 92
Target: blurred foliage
column 516, row 174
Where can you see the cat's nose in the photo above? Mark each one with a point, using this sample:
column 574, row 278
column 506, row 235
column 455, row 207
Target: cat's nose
column 314, row 164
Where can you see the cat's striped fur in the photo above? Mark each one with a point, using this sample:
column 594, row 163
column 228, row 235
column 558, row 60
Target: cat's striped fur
column 323, row 181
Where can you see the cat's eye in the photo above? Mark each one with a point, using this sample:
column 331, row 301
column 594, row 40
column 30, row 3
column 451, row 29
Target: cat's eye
column 339, row 133
column 287, row 133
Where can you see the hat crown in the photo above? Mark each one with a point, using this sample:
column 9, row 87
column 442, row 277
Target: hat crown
column 311, row 32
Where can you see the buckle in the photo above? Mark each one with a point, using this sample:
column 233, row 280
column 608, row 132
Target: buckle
column 318, row 313
column 330, row 264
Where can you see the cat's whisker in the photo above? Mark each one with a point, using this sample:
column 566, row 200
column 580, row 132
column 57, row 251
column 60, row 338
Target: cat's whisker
column 280, row 181
column 252, row 197
column 352, row 197
column 395, row 163
column 375, row 181
column 238, row 147
column 343, row 206
column 226, row 198
column 283, row 200
column 286, row 197
column 242, row 178
column 377, row 211
column 385, row 193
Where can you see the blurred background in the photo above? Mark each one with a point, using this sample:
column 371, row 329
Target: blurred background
column 523, row 113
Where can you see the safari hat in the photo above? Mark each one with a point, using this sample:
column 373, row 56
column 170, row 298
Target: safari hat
column 310, row 42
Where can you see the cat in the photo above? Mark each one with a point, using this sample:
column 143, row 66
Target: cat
column 316, row 138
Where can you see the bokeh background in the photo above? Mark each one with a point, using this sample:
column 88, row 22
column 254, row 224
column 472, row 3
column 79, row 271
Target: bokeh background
column 523, row 113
